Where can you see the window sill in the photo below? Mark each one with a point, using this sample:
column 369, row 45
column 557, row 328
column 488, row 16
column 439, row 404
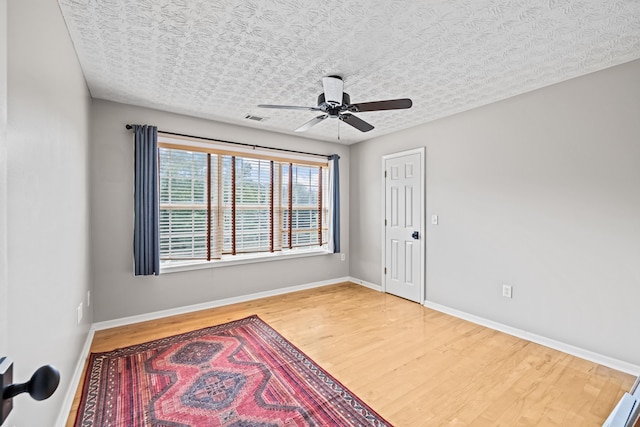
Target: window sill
column 229, row 260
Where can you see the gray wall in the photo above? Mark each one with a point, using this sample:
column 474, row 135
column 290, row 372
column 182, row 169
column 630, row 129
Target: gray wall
column 47, row 201
column 118, row 293
column 540, row 191
column 4, row 286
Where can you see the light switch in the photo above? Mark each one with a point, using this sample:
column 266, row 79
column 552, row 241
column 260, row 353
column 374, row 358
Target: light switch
column 434, row 219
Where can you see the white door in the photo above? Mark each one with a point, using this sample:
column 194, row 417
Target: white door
column 404, row 225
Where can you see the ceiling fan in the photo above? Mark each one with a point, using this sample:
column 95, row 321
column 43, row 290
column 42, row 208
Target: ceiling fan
column 335, row 103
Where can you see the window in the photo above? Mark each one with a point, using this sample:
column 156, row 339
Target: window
column 218, row 203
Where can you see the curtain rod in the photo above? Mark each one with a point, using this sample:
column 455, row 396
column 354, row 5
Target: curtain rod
column 254, row 146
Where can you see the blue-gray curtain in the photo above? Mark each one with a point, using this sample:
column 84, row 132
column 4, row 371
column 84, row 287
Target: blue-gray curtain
column 335, row 200
column 146, row 233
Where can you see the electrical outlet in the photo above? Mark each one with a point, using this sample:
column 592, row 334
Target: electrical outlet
column 79, row 313
column 343, row 257
column 506, row 291
column 434, row 219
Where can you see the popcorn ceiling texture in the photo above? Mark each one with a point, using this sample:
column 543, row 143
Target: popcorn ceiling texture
column 219, row 59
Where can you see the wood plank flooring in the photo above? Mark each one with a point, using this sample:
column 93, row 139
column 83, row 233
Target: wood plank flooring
column 413, row 365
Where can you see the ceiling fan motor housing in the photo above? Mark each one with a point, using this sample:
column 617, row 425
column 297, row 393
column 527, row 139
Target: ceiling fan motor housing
column 334, row 110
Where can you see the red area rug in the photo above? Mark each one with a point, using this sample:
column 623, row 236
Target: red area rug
column 239, row 374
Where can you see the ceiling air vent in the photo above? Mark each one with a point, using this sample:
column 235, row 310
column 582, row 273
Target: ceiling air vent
column 255, row 118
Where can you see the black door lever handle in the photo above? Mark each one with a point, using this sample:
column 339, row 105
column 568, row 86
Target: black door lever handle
column 415, row 235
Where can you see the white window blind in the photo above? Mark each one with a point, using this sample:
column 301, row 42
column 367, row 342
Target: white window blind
column 215, row 204
column 183, row 205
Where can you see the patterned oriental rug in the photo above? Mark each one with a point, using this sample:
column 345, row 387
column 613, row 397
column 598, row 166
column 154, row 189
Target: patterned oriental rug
column 239, row 374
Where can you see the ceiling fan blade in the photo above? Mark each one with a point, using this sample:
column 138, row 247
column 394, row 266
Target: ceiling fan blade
column 311, row 123
column 356, row 122
column 289, row 107
column 333, row 88
column 391, row 104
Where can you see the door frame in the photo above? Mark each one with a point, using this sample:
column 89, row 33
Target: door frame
column 423, row 217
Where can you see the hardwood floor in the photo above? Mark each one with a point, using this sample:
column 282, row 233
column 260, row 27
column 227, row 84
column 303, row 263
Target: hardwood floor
column 413, row 365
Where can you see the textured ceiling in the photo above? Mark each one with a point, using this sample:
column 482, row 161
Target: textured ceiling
column 219, row 59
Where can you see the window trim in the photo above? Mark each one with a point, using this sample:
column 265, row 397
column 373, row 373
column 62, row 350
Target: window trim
column 262, row 153
column 208, row 146
column 241, row 259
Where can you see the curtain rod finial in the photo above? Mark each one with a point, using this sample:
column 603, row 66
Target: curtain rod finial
column 129, row 127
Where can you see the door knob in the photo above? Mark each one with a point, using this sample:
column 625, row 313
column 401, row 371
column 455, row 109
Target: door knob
column 41, row 385
column 415, row 235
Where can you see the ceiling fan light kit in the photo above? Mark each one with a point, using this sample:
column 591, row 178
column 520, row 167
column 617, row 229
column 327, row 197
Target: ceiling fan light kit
column 333, row 89
column 335, row 103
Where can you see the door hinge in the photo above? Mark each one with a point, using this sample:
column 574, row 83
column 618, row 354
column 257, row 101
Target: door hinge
column 385, row 222
column 385, row 174
column 385, row 270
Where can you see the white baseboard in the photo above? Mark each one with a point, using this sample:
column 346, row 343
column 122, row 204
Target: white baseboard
column 211, row 304
column 77, row 375
column 600, row 359
column 75, row 381
column 365, row 283
column 556, row 345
